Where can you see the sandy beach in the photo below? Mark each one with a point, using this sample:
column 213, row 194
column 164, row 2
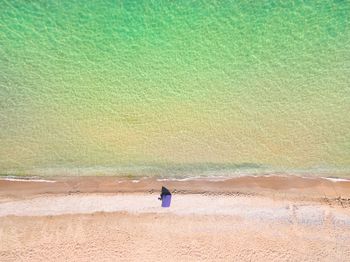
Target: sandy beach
column 268, row 218
column 240, row 109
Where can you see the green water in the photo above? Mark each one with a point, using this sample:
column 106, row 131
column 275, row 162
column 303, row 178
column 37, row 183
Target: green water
column 134, row 83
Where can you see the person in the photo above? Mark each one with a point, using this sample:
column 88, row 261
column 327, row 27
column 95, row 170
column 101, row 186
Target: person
column 164, row 192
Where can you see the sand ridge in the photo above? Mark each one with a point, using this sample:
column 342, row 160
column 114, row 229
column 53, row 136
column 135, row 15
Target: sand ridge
column 124, row 236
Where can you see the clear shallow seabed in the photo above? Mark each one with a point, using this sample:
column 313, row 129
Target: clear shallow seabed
column 179, row 86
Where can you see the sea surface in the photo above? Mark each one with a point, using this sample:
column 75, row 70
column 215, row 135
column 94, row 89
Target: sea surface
column 174, row 87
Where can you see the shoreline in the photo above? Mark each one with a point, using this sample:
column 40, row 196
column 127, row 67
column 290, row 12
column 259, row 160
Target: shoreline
column 288, row 186
column 49, row 179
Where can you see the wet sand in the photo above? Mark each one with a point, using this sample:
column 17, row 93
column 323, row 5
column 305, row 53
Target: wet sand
column 112, row 219
column 272, row 185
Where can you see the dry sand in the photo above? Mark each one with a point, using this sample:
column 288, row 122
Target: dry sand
column 242, row 219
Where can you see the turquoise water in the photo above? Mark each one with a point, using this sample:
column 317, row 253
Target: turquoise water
column 109, row 85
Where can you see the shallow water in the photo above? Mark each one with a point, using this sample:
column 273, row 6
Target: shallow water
column 105, row 85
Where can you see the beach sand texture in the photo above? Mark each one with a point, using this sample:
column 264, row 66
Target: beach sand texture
column 209, row 226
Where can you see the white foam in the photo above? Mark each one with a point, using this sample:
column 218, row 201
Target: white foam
column 334, row 179
column 27, row 180
column 196, row 178
column 179, row 179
